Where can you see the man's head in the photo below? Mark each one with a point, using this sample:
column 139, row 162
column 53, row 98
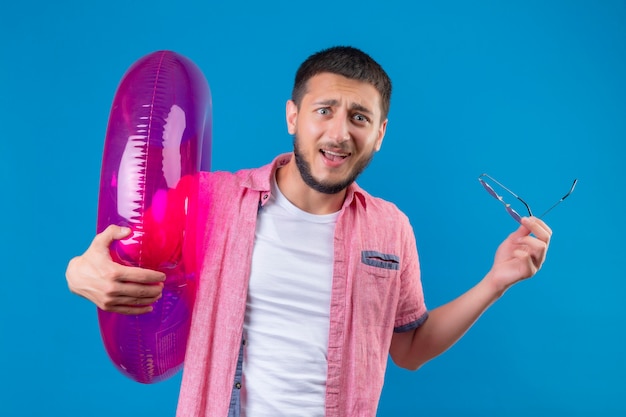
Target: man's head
column 338, row 117
column 346, row 61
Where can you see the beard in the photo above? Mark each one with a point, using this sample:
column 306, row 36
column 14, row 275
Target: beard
column 327, row 187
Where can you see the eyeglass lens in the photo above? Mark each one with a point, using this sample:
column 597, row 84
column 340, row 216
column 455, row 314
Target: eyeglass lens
column 507, row 206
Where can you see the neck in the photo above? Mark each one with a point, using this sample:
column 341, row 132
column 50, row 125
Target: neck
column 292, row 186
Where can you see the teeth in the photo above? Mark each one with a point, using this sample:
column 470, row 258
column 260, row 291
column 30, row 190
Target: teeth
column 343, row 155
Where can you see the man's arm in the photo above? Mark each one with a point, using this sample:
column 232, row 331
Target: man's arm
column 519, row 257
column 109, row 285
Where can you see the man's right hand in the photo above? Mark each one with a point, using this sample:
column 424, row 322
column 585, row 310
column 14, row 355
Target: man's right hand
column 109, row 285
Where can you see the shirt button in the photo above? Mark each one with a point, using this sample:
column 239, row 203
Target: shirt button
column 238, row 385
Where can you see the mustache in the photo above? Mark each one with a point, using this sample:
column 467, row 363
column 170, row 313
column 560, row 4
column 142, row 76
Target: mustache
column 342, row 147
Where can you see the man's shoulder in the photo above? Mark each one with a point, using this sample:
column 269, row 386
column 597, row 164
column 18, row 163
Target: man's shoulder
column 253, row 178
column 216, row 177
column 225, row 179
column 379, row 208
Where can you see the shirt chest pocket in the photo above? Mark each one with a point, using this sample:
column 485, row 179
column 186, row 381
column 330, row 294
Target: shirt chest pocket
column 379, row 260
column 377, row 288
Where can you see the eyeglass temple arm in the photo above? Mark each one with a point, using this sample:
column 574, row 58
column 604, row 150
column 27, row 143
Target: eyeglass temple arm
column 530, row 213
column 562, row 198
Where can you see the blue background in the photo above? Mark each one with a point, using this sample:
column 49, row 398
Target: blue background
column 532, row 92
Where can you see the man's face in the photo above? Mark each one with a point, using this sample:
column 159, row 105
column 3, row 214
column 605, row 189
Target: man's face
column 337, row 130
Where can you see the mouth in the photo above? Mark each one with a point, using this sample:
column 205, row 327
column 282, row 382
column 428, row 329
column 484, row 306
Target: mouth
column 334, row 156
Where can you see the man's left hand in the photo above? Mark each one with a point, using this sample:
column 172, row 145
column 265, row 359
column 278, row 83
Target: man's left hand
column 521, row 254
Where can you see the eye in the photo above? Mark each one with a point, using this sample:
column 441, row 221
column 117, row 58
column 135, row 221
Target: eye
column 359, row 118
column 323, row 111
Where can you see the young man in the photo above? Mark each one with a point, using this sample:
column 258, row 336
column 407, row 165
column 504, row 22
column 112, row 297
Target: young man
column 308, row 282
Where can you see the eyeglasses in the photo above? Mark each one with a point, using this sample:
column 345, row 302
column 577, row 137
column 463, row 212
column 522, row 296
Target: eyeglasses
column 508, row 207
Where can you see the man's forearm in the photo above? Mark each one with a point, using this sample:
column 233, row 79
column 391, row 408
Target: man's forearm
column 445, row 326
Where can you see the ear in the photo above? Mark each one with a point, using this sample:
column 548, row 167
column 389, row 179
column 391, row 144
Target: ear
column 381, row 134
column 291, row 114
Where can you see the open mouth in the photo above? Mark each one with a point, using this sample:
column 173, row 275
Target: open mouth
column 334, row 156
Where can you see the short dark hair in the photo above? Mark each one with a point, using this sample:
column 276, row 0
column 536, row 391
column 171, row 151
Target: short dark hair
column 349, row 62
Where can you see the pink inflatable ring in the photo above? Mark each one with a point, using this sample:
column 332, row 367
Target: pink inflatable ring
column 158, row 139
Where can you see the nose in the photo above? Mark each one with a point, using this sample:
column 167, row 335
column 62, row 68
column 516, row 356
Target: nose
column 338, row 129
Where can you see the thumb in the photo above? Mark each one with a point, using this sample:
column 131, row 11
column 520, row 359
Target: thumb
column 520, row 232
column 108, row 235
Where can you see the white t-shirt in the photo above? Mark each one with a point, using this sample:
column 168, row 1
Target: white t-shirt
column 287, row 311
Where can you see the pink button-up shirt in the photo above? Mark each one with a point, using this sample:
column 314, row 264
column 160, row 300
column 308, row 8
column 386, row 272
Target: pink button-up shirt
column 376, row 289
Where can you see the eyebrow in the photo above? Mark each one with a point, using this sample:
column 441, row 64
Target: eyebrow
column 355, row 106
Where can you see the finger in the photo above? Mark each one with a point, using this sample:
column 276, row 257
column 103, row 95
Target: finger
column 123, row 290
column 139, row 275
column 543, row 225
column 137, row 302
column 532, row 244
column 108, row 235
column 535, row 248
column 127, row 295
column 116, row 303
column 538, row 228
column 129, row 310
column 526, row 265
column 521, row 232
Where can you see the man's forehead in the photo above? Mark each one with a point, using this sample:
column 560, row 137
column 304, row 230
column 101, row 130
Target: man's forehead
column 334, row 89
